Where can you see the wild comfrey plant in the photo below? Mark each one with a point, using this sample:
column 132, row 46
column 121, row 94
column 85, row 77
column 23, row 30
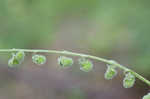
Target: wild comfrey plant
column 85, row 64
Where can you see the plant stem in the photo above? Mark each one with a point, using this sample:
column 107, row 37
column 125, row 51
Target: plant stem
column 81, row 55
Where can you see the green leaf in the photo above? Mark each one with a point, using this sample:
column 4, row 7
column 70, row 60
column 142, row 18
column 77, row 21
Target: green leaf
column 39, row 59
column 129, row 80
column 111, row 72
column 64, row 61
column 146, row 96
column 85, row 65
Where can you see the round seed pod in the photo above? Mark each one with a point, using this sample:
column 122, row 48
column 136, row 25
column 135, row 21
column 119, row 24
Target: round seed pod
column 13, row 62
column 129, row 80
column 110, row 73
column 146, row 96
column 85, row 65
column 65, row 62
column 39, row 59
column 20, row 56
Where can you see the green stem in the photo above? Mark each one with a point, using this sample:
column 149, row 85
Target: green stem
column 81, row 55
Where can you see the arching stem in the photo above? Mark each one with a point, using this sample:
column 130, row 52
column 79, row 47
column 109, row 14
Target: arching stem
column 80, row 55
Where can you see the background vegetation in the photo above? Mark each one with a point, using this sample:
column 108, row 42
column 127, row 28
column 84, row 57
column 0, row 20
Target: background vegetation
column 117, row 29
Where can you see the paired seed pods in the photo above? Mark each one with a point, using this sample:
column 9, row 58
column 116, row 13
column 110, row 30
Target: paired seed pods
column 85, row 65
column 128, row 80
column 39, row 59
column 65, row 62
column 16, row 59
column 110, row 73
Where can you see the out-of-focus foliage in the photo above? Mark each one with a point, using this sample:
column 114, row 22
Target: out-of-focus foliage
column 147, row 96
column 34, row 21
column 124, row 25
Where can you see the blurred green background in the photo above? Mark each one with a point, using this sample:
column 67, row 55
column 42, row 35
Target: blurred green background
column 117, row 29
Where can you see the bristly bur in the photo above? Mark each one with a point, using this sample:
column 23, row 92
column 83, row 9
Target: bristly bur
column 39, row 59
column 111, row 72
column 128, row 80
column 85, row 65
column 16, row 59
column 65, row 62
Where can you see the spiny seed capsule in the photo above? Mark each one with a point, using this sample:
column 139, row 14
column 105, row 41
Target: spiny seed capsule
column 39, row 59
column 129, row 80
column 13, row 62
column 20, row 56
column 85, row 65
column 110, row 73
column 64, row 61
column 146, row 96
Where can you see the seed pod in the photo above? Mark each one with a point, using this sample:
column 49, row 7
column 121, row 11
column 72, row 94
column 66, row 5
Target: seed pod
column 85, row 65
column 13, row 62
column 129, row 80
column 39, row 59
column 65, row 62
column 20, row 56
column 146, row 96
column 16, row 59
column 110, row 73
